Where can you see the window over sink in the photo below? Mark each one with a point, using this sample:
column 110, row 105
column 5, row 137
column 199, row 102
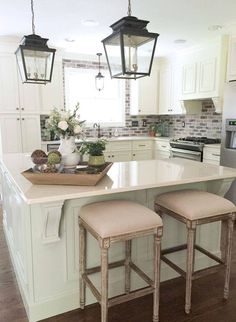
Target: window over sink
column 106, row 107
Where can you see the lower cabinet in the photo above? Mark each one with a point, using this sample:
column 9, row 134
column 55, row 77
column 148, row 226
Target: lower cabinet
column 161, row 149
column 20, row 133
column 129, row 150
column 211, row 154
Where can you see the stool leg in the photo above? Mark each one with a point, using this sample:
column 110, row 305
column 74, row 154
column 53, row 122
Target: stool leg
column 82, row 263
column 190, row 266
column 127, row 265
column 157, row 268
column 228, row 256
column 104, row 281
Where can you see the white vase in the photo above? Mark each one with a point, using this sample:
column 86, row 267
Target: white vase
column 70, row 156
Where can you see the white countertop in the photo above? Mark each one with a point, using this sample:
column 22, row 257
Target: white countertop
column 119, row 138
column 122, row 177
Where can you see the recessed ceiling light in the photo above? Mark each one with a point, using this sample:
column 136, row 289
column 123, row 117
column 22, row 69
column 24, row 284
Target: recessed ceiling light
column 90, row 23
column 215, row 27
column 180, row 41
column 69, row 40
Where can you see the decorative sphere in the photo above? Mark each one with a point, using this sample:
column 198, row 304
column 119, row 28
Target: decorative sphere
column 39, row 157
column 54, row 157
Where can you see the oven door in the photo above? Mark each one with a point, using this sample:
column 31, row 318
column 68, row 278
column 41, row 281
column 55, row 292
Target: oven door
column 186, row 154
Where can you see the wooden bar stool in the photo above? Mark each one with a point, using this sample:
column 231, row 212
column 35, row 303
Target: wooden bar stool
column 115, row 221
column 195, row 207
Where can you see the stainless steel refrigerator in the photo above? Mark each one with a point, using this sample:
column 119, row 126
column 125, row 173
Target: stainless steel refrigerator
column 228, row 143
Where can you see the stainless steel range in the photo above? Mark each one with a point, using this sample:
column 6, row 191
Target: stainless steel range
column 190, row 147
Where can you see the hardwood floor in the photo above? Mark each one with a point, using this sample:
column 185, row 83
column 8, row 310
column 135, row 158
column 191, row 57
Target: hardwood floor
column 207, row 304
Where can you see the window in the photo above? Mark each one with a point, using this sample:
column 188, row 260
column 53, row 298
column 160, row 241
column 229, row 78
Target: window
column 106, row 107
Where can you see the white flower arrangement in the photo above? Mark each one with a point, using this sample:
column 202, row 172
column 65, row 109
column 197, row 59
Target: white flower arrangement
column 64, row 124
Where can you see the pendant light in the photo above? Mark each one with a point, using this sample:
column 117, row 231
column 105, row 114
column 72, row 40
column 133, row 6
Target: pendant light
column 34, row 58
column 99, row 78
column 130, row 48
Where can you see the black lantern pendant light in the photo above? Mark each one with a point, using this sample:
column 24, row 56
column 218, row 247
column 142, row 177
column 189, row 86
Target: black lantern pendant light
column 130, row 48
column 35, row 59
column 99, row 78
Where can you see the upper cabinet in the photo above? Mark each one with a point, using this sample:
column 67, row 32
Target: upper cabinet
column 52, row 94
column 231, row 68
column 144, row 94
column 169, row 89
column 203, row 70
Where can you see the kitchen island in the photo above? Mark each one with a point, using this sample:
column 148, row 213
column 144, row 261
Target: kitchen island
column 41, row 226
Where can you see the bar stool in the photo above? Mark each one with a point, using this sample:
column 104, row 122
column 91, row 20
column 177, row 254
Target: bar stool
column 110, row 222
column 195, row 207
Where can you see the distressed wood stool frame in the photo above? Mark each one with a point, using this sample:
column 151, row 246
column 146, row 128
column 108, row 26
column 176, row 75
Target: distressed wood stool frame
column 104, row 244
column 223, row 262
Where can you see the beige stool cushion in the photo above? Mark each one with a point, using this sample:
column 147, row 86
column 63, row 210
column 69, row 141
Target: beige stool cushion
column 118, row 217
column 195, row 204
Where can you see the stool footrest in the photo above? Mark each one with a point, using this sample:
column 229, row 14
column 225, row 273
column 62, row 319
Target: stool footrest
column 199, row 273
column 97, row 269
column 131, row 296
column 146, row 278
column 92, row 288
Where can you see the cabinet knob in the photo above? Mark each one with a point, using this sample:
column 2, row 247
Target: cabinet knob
column 22, row 109
column 139, row 110
column 18, row 119
column 17, row 108
column 133, row 154
column 112, row 156
column 23, row 119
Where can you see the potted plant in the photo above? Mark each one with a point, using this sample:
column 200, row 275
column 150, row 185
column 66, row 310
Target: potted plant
column 95, row 150
column 152, row 129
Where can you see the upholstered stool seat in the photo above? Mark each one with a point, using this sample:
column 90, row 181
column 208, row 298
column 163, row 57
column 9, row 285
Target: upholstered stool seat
column 195, row 207
column 110, row 222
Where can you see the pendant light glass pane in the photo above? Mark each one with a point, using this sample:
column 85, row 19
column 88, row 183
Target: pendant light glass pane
column 138, row 54
column 38, row 65
column 112, row 48
column 99, row 82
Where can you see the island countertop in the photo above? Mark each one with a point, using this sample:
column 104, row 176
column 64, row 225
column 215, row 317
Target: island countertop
column 122, row 177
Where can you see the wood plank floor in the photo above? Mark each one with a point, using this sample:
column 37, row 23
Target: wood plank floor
column 207, row 306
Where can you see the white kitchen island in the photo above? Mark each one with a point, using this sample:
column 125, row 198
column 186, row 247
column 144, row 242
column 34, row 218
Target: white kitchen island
column 41, row 226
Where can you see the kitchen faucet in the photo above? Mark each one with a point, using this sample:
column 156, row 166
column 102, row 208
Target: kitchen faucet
column 97, row 125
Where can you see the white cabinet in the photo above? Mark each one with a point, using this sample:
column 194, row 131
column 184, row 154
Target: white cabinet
column 20, row 133
column 211, row 154
column 144, row 94
column 129, row 150
column 203, row 70
column 231, row 67
column 15, row 96
column 169, row 89
column 142, row 150
column 52, row 93
column 161, row 148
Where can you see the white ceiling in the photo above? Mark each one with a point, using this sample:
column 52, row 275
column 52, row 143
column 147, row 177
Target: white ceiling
column 61, row 19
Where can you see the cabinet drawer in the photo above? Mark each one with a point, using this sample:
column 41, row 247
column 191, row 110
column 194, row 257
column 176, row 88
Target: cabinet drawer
column 211, row 154
column 142, row 145
column 162, row 145
column 119, row 146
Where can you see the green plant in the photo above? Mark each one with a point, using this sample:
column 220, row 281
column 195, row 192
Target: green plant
column 94, row 148
column 153, row 127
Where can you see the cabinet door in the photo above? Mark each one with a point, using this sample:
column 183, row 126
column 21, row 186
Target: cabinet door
column 117, row 156
column 189, row 78
column 29, row 96
column 231, row 69
column 9, row 95
column 158, row 154
column 11, row 134
column 165, row 87
column 30, row 129
column 52, row 93
column 207, row 76
column 142, row 155
column 144, row 96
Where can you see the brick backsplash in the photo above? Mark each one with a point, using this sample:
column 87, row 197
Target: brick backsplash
column 208, row 123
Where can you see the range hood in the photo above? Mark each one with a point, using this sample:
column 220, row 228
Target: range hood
column 195, row 106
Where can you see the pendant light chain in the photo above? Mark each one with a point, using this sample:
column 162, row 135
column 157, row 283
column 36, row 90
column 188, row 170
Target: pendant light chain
column 32, row 11
column 129, row 13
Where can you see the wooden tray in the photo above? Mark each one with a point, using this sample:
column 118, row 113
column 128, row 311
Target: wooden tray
column 80, row 178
